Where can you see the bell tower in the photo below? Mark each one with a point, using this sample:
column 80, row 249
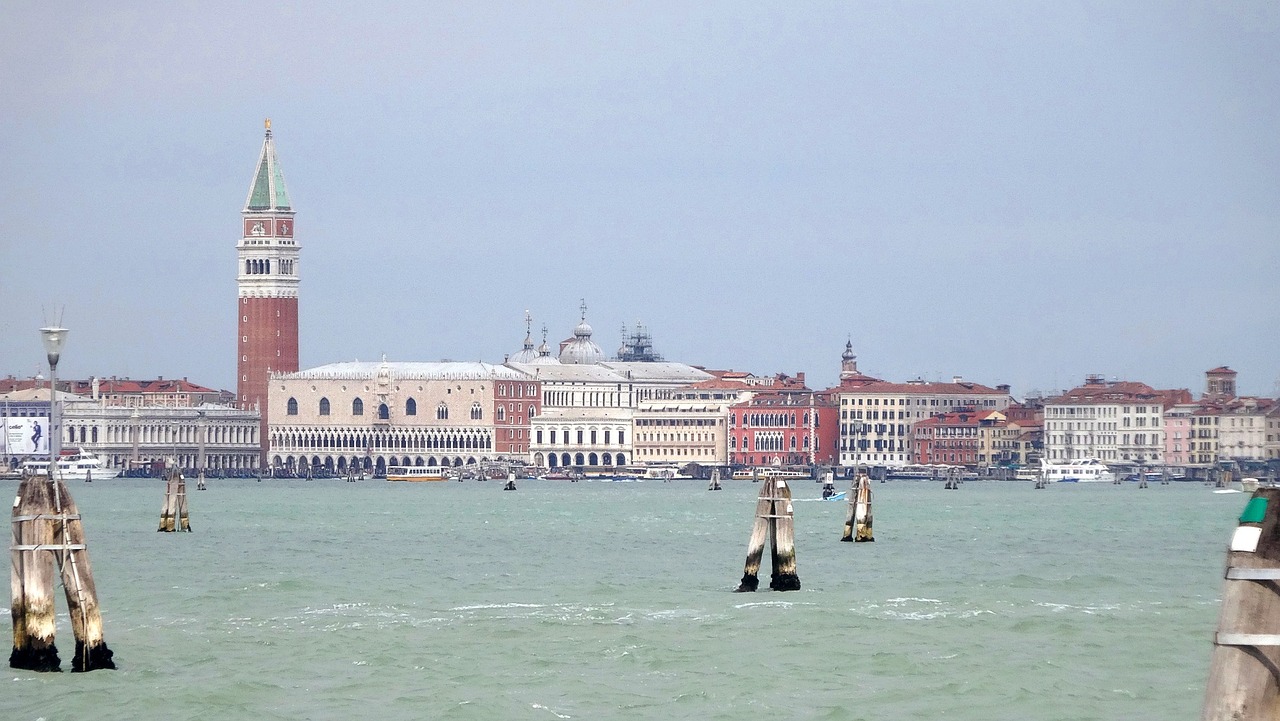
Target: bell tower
column 267, row 281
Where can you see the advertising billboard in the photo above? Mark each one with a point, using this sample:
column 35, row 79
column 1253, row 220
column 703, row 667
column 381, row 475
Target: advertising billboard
column 26, row 436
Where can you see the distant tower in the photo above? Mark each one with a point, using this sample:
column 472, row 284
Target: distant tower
column 267, row 280
column 848, row 362
column 1220, row 383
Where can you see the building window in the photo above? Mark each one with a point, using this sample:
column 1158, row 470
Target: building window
column 442, row 412
column 357, row 407
column 411, row 407
column 477, row 413
column 292, row 407
column 384, row 413
column 324, row 406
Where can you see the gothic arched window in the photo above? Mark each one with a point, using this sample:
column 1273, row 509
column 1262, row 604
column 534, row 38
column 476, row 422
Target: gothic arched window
column 384, row 413
column 293, row 407
column 477, row 412
column 324, row 406
column 357, row 407
column 411, row 407
column 442, row 412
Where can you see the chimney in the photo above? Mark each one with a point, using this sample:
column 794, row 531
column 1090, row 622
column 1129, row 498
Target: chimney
column 800, row 377
column 956, row 379
column 1003, row 388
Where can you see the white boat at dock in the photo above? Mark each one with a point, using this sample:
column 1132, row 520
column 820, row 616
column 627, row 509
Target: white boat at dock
column 1083, row 470
column 416, row 474
column 73, row 466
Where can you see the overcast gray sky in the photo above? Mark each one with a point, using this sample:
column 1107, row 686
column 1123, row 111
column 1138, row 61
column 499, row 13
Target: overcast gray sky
column 1013, row 192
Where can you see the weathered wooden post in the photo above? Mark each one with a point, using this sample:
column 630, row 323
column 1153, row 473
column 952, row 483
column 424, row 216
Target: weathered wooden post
column 857, row 524
column 47, row 529
column 774, row 520
column 1245, row 665
column 173, row 515
column 77, row 580
column 31, row 578
column 715, row 480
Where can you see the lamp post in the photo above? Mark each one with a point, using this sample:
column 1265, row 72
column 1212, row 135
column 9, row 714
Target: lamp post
column 54, row 337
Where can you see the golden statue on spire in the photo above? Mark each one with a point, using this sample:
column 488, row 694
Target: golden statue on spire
column 268, row 123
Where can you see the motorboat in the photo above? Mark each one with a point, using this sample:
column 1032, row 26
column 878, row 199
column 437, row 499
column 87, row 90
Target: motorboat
column 1083, row 470
column 415, row 474
column 73, row 466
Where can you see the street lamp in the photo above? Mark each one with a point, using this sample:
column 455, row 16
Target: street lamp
column 54, row 338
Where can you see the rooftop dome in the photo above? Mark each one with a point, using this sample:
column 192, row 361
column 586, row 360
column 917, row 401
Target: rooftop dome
column 582, row 350
column 544, row 357
column 527, row 354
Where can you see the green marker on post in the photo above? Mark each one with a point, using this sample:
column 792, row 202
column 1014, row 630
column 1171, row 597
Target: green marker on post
column 1254, row 511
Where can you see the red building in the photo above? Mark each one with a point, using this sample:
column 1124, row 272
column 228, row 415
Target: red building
column 949, row 438
column 515, row 404
column 783, row 422
column 267, row 278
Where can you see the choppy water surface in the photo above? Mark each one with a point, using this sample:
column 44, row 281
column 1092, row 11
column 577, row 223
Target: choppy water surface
column 594, row 600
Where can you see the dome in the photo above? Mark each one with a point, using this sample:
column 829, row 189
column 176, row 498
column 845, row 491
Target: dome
column 544, row 357
column 582, row 350
column 526, row 354
column 848, row 351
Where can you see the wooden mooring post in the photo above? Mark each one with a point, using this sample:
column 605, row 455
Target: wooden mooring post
column 174, row 515
column 857, row 523
column 46, row 530
column 1244, row 670
column 773, row 520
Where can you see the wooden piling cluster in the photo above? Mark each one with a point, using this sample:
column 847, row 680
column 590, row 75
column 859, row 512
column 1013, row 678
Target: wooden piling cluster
column 714, row 485
column 174, row 515
column 47, row 530
column 1244, row 670
column 774, row 520
column 857, row 523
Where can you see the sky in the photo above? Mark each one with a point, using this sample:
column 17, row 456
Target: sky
column 1011, row 192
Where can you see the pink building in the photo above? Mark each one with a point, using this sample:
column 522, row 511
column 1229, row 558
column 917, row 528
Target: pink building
column 1177, row 435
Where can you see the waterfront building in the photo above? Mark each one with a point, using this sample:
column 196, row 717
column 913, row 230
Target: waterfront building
column 686, row 425
column 126, row 434
column 1016, row 438
column 588, row 409
column 1271, row 444
column 1178, row 442
column 876, row 415
column 1242, row 426
column 585, row 418
column 1116, row 422
column 1226, row 428
column 211, row 437
column 783, row 422
column 1203, row 447
column 267, row 258
column 367, row 416
column 948, row 438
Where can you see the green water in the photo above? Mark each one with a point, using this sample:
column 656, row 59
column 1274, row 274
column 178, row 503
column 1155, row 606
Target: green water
column 594, row 600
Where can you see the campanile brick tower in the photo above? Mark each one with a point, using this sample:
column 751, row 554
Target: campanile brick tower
column 267, row 279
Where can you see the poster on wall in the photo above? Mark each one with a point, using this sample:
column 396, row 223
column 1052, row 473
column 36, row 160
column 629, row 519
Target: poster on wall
column 26, row 436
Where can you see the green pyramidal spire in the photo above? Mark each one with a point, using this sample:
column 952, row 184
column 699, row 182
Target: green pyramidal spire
column 268, row 191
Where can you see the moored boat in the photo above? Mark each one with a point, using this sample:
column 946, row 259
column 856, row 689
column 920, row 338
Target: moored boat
column 416, row 473
column 73, row 466
column 1083, row 470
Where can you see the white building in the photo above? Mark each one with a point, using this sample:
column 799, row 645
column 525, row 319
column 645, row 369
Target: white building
column 876, row 416
column 1118, row 422
column 370, row 415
